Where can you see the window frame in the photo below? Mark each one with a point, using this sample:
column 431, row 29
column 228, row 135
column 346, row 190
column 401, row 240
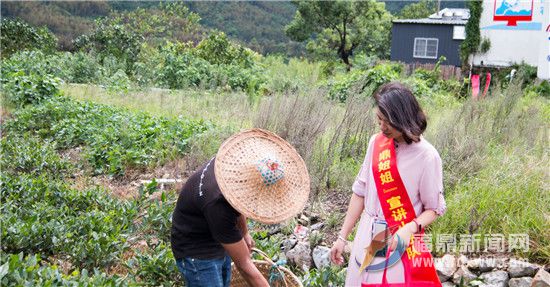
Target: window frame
column 425, row 55
column 459, row 35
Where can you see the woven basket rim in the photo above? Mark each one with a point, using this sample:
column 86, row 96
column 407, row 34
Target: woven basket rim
column 291, row 277
column 283, row 200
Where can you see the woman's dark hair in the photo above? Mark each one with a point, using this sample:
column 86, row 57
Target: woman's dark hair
column 398, row 104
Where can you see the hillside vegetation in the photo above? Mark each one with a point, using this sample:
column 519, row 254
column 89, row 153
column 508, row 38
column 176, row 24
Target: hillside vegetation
column 86, row 133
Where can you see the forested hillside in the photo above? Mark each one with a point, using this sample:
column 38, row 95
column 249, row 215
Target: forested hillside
column 259, row 25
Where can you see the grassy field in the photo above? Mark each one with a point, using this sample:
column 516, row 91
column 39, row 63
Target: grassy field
column 494, row 151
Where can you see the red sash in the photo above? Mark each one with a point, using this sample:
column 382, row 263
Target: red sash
column 398, row 211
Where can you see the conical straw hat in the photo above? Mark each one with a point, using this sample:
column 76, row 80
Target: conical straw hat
column 262, row 176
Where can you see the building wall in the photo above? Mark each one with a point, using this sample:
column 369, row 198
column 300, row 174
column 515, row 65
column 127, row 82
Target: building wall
column 402, row 42
column 527, row 41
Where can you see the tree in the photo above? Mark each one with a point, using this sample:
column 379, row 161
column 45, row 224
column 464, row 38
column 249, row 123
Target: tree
column 342, row 27
column 17, row 35
column 422, row 9
column 112, row 40
column 470, row 45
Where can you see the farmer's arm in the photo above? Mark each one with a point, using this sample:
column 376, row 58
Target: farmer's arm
column 241, row 223
column 240, row 255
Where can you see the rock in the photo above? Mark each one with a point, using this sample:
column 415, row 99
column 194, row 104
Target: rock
column 317, row 226
column 481, row 264
column 520, row 282
column 166, row 175
column 304, row 220
column 274, row 229
column 301, row 232
column 463, row 275
column 321, row 256
column 497, row 278
column 462, row 260
column 300, row 255
column 541, row 279
column 288, row 244
column 314, row 217
column 446, row 267
column 518, row 268
column 447, row 284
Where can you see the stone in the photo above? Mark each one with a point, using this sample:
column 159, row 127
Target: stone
column 518, row 268
column 317, row 226
column 497, row 278
column 520, row 282
column 301, row 232
column 541, row 279
column 274, row 229
column 321, row 256
column 300, row 255
column 463, row 275
column 289, row 243
column 304, row 220
column 481, row 264
column 462, row 260
column 447, row 284
column 445, row 267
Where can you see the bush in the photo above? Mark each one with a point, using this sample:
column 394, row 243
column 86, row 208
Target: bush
column 41, row 64
column 28, row 154
column 359, row 82
column 155, row 268
column 112, row 40
column 218, row 50
column 182, row 68
column 21, row 89
column 542, row 89
column 31, row 270
column 83, row 68
column 41, row 215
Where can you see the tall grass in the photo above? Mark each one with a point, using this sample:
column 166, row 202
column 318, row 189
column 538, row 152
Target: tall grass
column 494, row 150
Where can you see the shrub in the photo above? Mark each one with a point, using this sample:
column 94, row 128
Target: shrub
column 112, row 40
column 31, row 270
column 28, row 154
column 359, row 82
column 41, row 215
column 218, row 50
column 22, row 89
column 156, row 267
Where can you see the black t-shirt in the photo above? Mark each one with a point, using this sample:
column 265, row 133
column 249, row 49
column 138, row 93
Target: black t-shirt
column 203, row 218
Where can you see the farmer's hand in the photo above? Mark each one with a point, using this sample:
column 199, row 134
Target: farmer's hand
column 249, row 241
column 405, row 233
column 336, row 252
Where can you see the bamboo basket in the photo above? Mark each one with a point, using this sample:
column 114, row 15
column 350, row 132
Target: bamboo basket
column 266, row 267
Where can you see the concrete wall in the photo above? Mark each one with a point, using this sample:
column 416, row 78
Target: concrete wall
column 528, row 41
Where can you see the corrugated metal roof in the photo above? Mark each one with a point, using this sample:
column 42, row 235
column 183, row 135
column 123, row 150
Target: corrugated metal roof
column 432, row 21
column 447, row 16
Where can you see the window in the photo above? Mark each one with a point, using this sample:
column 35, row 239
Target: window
column 425, row 48
column 459, row 33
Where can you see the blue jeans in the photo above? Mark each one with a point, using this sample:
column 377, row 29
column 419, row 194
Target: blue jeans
column 205, row 272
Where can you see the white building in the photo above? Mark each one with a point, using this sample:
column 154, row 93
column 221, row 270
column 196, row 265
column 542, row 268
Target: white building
column 519, row 31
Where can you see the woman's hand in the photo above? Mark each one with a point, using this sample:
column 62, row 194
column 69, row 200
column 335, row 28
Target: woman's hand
column 336, row 252
column 405, row 233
